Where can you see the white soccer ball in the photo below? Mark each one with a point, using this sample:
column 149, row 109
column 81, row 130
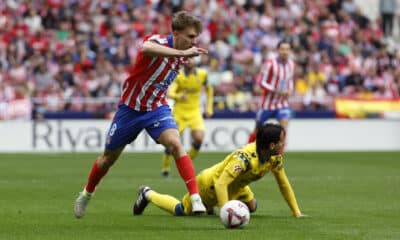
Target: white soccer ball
column 234, row 214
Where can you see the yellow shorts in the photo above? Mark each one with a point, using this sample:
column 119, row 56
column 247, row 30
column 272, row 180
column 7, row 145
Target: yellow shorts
column 193, row 120
column 209, row 198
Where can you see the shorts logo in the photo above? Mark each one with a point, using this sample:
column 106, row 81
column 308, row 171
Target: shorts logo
column 156, row 124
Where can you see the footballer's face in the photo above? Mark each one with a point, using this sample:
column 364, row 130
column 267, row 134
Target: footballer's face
column 275, row 148
column 284, row 51
column 189, row 64
column 185, row 39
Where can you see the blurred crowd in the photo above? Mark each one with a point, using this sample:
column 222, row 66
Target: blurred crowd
column 74, row 54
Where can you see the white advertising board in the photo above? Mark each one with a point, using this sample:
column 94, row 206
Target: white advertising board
column 221, row 135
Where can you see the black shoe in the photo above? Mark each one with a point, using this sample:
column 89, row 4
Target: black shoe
column 141, row 201
column 165, row 173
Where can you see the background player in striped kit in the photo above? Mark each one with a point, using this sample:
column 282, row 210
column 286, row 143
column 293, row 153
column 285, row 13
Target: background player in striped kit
column 276, row 81
column 143, row 106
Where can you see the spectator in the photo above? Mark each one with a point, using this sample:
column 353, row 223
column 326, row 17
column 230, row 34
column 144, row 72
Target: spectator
column 315, row 98
column 315, row 75
column 387, row 9
column 96, row 43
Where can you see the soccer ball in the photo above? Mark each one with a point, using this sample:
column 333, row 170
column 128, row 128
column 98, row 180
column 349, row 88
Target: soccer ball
column 234, row 214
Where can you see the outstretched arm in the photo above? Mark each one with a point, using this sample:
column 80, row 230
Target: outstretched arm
column 150, row 48
column 287, row 192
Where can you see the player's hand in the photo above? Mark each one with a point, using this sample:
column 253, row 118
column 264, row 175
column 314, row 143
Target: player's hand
column 300, row 216
column 183, row 97
column 208, row 115
column 284, row 94
column 194, row 51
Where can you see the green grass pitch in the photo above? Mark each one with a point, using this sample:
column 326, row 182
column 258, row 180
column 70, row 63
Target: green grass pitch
column 353, row 195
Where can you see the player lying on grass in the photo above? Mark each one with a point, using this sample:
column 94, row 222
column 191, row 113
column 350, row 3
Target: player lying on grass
column 230, row 179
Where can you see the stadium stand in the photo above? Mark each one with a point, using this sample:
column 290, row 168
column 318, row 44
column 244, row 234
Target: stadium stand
column 71, row 56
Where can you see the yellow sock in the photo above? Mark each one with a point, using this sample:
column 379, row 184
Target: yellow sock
column 166, row 159
column 193, row 152
column 163, row 201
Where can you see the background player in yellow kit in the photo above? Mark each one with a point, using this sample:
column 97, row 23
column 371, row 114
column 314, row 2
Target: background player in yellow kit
column 230, row 179
column 186, row 91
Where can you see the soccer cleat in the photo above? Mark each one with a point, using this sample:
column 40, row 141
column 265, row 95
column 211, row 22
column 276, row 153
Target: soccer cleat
column 198, row 206
column 141, row 201
column 81, row 204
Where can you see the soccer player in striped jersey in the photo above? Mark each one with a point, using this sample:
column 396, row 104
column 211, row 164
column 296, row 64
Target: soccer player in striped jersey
column 276, row 80
column 230, row 178
column 143, row 105
column 186, row 91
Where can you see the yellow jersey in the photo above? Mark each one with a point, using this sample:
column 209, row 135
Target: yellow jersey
column 190, row 84
column 230, row 178
column 244, row 166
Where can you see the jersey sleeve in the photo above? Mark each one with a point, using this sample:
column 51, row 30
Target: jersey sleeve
column 284, row 184
column 157, row 39
column 238, row 163
column 291, row 80
column 276, row 163
column 209, row 93
column 287, row 192
column 265, row 79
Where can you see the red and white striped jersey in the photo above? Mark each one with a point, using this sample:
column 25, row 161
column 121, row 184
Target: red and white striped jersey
column 146, row 86
column 276, row 75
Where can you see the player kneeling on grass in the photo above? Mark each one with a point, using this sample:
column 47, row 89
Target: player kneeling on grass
column 230, row 179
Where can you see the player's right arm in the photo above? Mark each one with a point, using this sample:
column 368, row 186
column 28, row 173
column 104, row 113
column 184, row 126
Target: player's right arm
column 153, row 49
column 173, row 92
column 232, row 170
column 266, row 75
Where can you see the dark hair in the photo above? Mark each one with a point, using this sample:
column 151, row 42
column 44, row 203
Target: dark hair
column 183, row 20
column 267, row 134
column 284, row 41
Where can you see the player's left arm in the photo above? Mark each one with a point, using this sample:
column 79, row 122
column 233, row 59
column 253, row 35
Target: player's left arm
column 210, row 98
column 286, row 190
column 291, row 80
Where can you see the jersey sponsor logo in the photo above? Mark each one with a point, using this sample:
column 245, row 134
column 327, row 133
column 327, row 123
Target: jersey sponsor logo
column 243, row 156
column 277, row 164
column 171, row 76
column 167, row 82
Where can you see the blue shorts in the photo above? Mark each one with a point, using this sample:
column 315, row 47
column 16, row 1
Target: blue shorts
column 263, row 115
column 128, row 123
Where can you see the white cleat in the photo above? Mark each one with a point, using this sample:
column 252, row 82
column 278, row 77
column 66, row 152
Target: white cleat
column 81, row 204
column 197, row 206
